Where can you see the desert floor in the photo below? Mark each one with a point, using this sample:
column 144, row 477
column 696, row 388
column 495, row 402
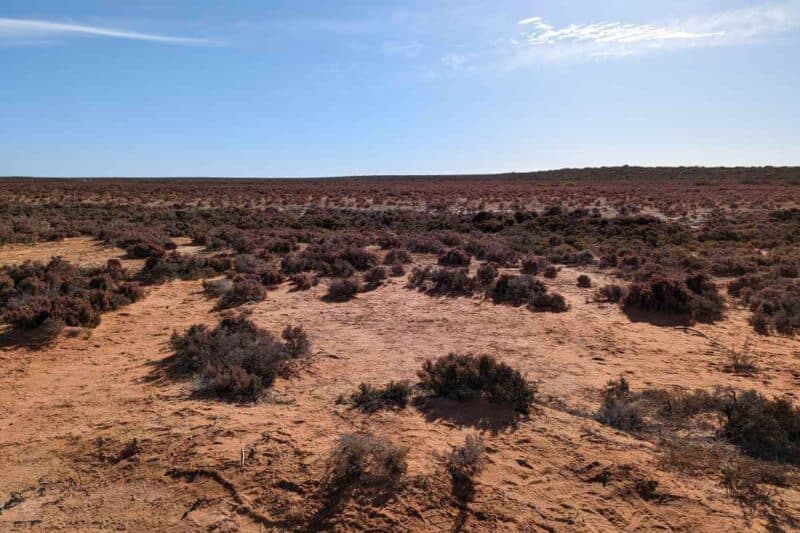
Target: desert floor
column 67, row 410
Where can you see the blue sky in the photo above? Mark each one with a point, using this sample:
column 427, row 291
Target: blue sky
column 309, row 88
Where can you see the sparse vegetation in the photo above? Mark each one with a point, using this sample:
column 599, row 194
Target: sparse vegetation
column 674, row 237
column 620, row 409
column 464, row 463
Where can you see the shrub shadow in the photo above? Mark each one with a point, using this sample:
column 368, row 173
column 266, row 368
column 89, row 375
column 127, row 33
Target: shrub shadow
column 34, row 339
column 479, row 413
column 664, row 320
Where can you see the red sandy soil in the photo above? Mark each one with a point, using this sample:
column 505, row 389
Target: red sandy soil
column 66, row 412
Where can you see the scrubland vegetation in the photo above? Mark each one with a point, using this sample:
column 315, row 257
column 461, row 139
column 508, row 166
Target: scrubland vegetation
column 676, row 250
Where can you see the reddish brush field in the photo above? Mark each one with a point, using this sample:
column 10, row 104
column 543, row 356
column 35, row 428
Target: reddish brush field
column 596, row 349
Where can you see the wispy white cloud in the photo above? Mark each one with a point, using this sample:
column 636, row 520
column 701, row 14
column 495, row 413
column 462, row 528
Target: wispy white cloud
column 405, row 50
column 542, row 41
column 609, row 32
column 31, row 31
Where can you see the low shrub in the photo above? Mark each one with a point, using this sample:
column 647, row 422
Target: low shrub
column 157, row 270
column 303, row 281
column 397, row 256
column 450, row 281
column 695, row 296
column 464, row 377
column 660, row 294
column 271, row 275
column 370, row 399
column 145, row 249
column 422, row 244
column 549, row 301
column 397, row 270
column 550, row 271
column 502, row 255
column 584, row 281
column 364, row 459
column 463, row 464
column 454, row 257
column 778, row 306
column 620, row 409
column 341, row 290
column 516, row 290
column 33, row 294
column 358, row 257
column 296, row 341
column 530, row 265
column 237, row 360
column 612, row 293
column 374, row 276
column 487, row 273
column 244, row 289
column 217, row 287
column 764, row 428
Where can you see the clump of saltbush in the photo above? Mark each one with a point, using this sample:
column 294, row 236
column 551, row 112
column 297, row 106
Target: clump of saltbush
column 364, row 460
column 397, row 270
column 175, row 265
column 454, row 257
column 303, row 281
column 464, row 463
column 341, row 290
column 370, row 399
column 764, row 428
column 467, row 376
column 375, row 276
column 243, row 289
column 530, row 264
column 695, row 296
column 271, row 275
column 450, row 281
column 487, row 273
column 549, row 301
column 516, row 290
column 584, row 281
column 620, row 408
column 145, row 249
column 761, row 427
column 33, row 294
column 397, row 256
column 612, row 293
column 296, row 341
column 236, row 360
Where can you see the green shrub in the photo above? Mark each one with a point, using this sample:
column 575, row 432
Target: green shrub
column 464, row 377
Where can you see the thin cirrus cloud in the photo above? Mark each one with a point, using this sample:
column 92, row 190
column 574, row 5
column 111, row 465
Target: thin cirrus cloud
column 31, row 31
column 542, row 41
